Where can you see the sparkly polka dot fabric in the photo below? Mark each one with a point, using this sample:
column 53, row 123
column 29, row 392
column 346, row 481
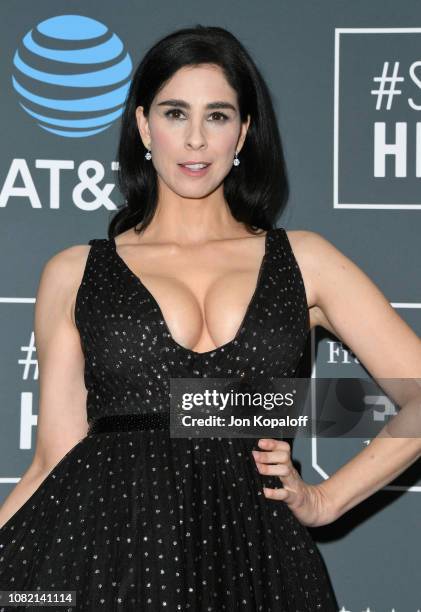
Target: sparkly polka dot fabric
column 134, row 520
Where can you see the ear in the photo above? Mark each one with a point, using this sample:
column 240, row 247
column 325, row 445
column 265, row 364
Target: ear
column 143, row 127
column 243, row 134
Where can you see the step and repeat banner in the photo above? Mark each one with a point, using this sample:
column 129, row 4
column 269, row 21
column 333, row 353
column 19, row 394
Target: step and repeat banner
column 346, row 83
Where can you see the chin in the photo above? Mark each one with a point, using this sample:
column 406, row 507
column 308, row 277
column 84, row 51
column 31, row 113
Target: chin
column 183, row 188
column 193, row 194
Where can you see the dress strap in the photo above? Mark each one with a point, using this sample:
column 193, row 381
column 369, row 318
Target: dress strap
column 286, row 262
column 93, row 261
column 98, row 241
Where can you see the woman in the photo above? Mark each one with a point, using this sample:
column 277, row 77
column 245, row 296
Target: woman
column 119, row 511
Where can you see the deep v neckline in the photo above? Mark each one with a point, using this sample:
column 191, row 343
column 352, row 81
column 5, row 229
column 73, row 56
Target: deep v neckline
column 139, row 283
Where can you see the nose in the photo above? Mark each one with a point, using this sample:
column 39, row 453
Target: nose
column 195, row 137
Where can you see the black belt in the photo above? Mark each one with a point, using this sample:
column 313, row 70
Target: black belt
column 129, row 422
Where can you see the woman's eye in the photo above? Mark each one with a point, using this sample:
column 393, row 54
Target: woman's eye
column 224, row 117
column 170, row 112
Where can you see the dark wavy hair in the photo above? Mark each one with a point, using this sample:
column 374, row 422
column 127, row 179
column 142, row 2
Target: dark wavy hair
column 257, row 190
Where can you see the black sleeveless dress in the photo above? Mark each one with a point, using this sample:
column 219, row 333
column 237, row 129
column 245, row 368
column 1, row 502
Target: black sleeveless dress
column 135, row 520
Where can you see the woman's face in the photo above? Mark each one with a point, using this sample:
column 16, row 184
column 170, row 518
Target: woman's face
column 181, row 128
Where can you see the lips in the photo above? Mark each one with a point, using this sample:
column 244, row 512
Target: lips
column 195, row 163
column 195, row 169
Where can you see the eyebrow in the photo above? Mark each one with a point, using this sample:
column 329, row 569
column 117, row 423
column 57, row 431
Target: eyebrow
column 183, row 104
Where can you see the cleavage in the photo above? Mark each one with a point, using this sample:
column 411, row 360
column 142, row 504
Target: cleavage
column 204, row 307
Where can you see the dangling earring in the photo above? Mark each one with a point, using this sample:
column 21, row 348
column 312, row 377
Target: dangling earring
column 236, row 161
column 148, row 154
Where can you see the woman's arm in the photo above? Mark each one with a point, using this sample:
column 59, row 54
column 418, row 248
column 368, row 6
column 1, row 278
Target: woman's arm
column 371, row 469
column 62, row 392
column 361, row 316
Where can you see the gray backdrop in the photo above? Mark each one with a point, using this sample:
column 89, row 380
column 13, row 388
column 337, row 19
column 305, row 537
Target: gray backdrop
column 320, row 60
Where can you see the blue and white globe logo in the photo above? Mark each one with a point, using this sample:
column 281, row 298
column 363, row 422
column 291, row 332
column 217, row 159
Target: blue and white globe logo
column 72, row 75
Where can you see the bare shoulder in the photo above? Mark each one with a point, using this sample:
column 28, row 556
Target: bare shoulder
column 322, row 261
column 62, row 274
column 66, row 266
column 312, row 248
column 315, row 254
column 352, row 306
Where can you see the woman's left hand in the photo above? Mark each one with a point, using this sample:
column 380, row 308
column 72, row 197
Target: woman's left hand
column 307, row 502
